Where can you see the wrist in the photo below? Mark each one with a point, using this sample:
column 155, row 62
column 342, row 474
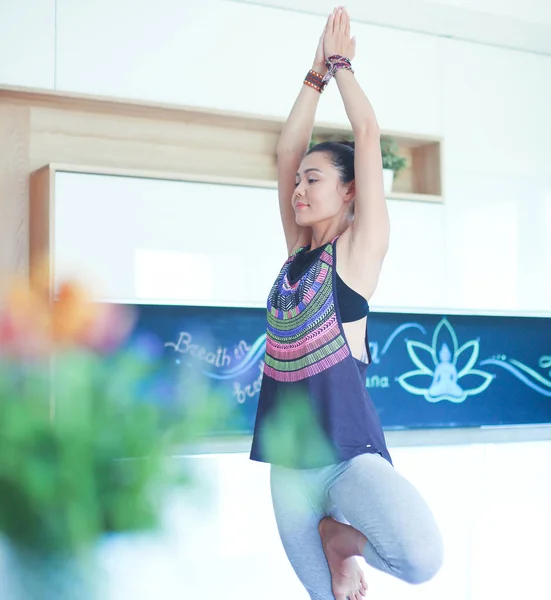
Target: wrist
column 340, row 73
column 319, row 68
column 314, row 79
column 337, row 64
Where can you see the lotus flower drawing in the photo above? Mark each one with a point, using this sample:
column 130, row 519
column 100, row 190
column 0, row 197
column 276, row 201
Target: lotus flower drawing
column 444, row 371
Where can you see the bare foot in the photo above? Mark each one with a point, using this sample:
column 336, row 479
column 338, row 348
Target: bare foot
column 341, row 544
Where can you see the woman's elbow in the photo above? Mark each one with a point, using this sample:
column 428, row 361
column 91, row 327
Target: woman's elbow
column 368, row 128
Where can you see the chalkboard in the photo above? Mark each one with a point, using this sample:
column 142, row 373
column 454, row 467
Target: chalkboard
column 427, row 371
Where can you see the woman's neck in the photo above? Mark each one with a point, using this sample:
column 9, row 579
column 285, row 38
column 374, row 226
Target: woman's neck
column 324, row 233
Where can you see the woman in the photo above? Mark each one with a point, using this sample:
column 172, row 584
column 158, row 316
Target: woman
column 342, row 500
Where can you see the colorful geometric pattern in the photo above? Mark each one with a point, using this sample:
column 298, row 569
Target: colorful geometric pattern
column 303, row 335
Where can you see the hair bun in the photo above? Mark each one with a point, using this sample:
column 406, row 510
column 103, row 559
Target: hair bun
column 348, row 144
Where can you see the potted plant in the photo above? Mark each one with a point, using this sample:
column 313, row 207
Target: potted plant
column 84, row 446
column 393, row 163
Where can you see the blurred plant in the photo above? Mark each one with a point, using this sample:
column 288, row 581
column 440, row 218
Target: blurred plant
column 314, row 141
column 389, row 150
column 391, row 159
column 84, row 445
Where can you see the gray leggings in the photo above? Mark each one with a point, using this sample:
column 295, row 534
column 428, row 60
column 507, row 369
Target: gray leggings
column 366, row 492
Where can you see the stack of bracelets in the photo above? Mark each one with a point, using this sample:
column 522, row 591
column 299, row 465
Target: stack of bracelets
column 333, row 64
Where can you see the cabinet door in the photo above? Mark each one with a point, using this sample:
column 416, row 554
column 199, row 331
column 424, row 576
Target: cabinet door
column 27, row 43
column 168, row 242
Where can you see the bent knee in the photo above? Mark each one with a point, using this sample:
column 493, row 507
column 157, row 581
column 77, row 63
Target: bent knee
column 422, row 564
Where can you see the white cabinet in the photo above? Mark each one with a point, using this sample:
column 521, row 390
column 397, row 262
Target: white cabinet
column 169, row 242
column 147, row 240
column 27, row 43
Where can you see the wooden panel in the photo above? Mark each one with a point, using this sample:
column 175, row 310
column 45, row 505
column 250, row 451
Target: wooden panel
column 41, row 231
column 14, row 190
column 158, row 174
column 186, row 142
column 426, row 169
column 404, row 181
column 412, row 197
column 143, row 143
column 127, row 108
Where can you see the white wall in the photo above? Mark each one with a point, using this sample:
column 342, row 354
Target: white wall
column 27, row 43
column 235, row 56
column 496, row 105
column 536, row 11
column 547, row 223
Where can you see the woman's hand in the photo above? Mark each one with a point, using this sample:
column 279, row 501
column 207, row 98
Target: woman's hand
column 319, row 60
column 337, row 35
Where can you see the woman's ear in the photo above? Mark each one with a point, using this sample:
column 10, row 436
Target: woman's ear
column 350, row 191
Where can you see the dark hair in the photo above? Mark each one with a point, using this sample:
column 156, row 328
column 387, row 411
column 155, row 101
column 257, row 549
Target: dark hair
column 341, row 155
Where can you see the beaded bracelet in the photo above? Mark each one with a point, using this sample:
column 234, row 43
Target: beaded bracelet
column 334, row 63
column 314, row 80
column 340, row 65
column 338, row 57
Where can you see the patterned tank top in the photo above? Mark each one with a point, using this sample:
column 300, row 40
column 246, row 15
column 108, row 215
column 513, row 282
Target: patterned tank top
column 314, row 408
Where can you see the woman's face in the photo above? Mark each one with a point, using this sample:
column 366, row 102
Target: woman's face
column 319, row 194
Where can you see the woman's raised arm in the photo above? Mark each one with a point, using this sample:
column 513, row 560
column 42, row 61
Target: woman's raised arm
column 368, row 236
column 292, row 146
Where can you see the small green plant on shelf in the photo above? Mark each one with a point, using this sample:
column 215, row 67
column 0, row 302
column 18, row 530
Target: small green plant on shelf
column 389, row 151
column 391, row 159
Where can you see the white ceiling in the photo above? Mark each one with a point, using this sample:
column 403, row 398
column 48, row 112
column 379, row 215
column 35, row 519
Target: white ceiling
column 518, row 24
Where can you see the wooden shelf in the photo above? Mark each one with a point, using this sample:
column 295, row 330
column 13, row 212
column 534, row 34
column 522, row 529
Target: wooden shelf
column 414, row 197
column 421, row 180
column 422, row 175
column 187, row 141
column 151, row 174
